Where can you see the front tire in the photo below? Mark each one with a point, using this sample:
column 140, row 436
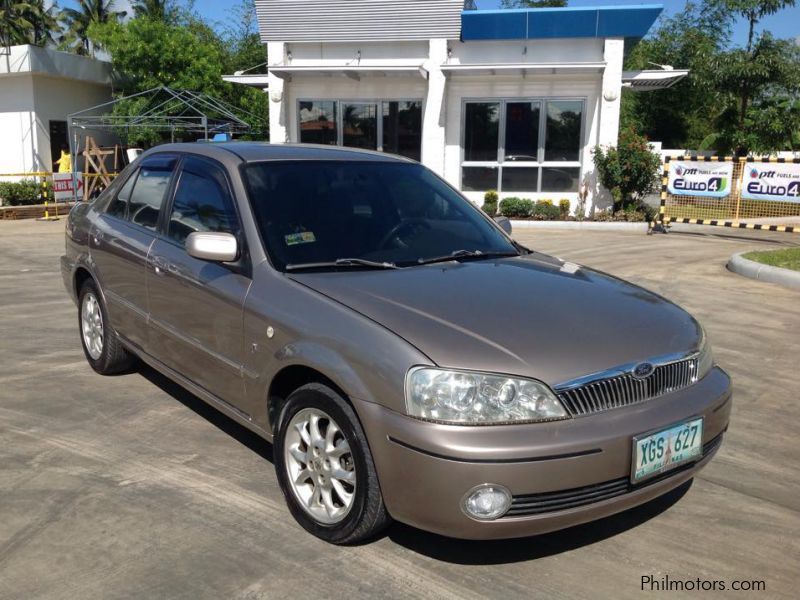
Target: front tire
column 102, row 348
column 325, row 467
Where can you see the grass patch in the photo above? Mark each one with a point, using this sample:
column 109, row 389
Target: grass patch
column 788, row 258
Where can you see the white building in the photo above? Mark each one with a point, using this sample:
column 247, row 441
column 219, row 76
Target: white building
column 511, row 100
column 39, row 87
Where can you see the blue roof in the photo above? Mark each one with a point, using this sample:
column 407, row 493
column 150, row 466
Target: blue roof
column 570, row 22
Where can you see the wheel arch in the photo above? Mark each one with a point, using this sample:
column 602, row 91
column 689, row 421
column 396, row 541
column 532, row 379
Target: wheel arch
column 291, row 378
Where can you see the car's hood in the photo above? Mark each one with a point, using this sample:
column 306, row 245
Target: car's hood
column 534, row 315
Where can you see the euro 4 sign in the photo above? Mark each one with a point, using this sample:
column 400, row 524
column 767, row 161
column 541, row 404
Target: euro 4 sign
column 771, row 181
column 698, row 178
column 67, row 186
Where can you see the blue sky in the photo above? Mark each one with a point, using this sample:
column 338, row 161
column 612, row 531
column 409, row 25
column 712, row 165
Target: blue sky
column 785, row 24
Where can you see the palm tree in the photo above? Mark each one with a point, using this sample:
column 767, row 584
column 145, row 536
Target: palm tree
column 44, row 23
column 15, row 24
column 155, row 9
column 79, row 19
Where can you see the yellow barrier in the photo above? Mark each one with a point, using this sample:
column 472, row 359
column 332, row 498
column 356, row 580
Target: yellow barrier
column 728, row 211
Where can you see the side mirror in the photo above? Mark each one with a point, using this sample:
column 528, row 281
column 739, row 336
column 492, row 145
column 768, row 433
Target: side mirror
column 212, row 246
column 504, row 224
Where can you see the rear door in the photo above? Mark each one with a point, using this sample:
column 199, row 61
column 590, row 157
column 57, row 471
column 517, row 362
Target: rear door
column 120, row 241
column 196, row 306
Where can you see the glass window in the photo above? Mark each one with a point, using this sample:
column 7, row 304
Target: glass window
column 202, row 201
column 520, row 179
column 393, row 212
column 478, row 179
column 481, row 131
column 563, row 130
column 402, row 129
column 150, row 189
column 560, row 179
column 119, row 204
column 522, row 131
column 318, row 122
column 360, row 125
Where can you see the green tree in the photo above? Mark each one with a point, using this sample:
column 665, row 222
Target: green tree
column 533, row 3
column 45, row 28
column 78, row 21
column 680, row 116
column 154, row 9
column 758, row 86
column 629, row 170
column 183, row 53
column 25, row 22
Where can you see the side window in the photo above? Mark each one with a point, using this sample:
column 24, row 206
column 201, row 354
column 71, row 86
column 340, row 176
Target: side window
column 119, row 203
column 150, row 189
column 202, row 201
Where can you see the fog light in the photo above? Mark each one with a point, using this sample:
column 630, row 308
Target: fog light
column 487, row 502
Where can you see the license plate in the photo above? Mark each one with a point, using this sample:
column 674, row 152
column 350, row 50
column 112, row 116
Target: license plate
column 658, row 452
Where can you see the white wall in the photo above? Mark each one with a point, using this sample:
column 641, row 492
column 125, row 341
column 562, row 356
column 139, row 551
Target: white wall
column 17, row 125
column 56, row 98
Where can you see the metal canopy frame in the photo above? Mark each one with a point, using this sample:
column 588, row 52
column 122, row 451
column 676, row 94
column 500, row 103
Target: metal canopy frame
column 167, row 110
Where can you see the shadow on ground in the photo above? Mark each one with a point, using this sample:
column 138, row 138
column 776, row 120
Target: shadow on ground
column 465, row 552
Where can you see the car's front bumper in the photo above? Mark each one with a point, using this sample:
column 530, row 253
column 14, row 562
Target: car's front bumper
column 67, row 274
column 579, row 466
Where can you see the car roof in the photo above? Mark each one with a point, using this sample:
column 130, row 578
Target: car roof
column 263, row 151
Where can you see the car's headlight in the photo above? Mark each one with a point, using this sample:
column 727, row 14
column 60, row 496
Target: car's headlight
column 705, row 357
column 465, row 397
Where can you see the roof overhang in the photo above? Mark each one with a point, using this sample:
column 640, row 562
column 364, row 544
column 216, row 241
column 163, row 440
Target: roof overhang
column 651, row 80
column 256, row 80
column 568, row 22
column 355, row 72
column 487, row 69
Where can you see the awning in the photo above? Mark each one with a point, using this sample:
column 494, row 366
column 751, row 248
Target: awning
column 256, row 80
column 650, row 80
column 355, row 72
column 522, row 69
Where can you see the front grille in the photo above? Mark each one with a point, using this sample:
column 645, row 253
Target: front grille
column 625, row 389
column 535, row 504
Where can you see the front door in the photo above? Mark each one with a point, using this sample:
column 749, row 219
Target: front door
column 196, row 306
column 120, row 241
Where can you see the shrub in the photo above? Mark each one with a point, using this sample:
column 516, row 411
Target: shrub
column 516, row 207
column 19, row 193
column 629, row 171
column 563, row 207
column 544, row 211
column 546, row 201
column 490, row 203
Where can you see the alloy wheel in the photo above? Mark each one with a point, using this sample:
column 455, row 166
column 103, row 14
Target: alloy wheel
column 92, row 325
column 320, row 466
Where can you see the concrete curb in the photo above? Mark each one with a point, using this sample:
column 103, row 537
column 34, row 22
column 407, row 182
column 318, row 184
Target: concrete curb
column 572, row 225
column 754, row 270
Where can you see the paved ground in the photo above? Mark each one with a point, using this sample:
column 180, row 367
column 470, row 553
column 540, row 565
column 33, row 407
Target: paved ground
column 129, row 487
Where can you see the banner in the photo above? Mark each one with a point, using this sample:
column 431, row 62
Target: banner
column 65, row 188
column 771, row 181
column 699, row 178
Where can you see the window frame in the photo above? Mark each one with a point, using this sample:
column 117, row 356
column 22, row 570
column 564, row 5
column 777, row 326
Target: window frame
column 243, row 265
column 163, row 230
column 501, row 163
column 136, row 168
column 379, row 102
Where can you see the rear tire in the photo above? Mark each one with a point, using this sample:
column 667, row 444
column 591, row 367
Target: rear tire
column 102, row 348
column 325, row 468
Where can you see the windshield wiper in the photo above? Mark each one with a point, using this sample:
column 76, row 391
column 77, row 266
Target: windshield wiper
column 462, row 254
column 342, row 262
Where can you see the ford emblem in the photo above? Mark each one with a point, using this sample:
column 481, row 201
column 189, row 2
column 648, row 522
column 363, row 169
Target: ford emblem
column 643, row 370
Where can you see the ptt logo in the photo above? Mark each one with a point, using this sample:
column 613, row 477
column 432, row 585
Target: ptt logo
column 756, row 174
column 682, row 171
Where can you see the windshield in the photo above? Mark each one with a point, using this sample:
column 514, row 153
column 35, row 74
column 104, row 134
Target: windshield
column 316, row 213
